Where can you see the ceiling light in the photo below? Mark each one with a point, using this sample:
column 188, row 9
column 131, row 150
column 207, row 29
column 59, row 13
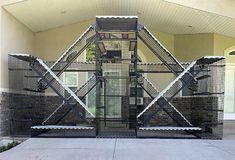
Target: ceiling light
column 63, row 12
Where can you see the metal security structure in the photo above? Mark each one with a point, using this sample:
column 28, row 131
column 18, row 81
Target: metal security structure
column 118, row 99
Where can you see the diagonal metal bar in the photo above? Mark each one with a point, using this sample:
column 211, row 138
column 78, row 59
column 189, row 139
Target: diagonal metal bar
column 52, row 87
column 159, row 57
column 164, row 55
column 160, row 95
column 73, row 55
column 65, row 114
column 58, row 108
column 67, row 100
column 43, row 66
column 169, row 99
column 161, row 106
column 64, row 86
column 163, row 49
column 65, row 54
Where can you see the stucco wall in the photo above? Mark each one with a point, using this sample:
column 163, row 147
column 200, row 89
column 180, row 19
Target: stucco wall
column 52, row 43
column 192, row 46
column 189, row 47
column 167, row 40
column 15, row 38
column 221, row 43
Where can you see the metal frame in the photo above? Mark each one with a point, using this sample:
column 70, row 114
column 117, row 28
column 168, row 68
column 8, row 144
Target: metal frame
column 134, row 122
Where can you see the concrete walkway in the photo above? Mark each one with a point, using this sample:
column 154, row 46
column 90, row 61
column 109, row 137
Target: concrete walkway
column 122, row 149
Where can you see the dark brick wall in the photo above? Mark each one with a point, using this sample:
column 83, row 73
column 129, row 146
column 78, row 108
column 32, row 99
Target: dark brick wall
column 155, row 116
column 200, row 111
column 20, row 111
column 4, row 114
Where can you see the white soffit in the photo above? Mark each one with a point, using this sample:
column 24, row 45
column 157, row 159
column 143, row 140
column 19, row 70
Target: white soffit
column 40, row 15
column 221, row 7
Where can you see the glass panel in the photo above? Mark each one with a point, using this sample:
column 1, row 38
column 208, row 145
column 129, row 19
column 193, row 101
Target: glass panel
column 113, row 107
column 139, row 92
column 229, row 90
column 113, row 103
column 71, row 79
column 91, row 98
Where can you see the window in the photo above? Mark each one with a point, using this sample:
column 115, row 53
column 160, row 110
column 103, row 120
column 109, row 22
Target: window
column 71, row 80
column 232, row 53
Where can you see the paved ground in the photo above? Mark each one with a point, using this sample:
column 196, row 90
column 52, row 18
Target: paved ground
column 122, row 149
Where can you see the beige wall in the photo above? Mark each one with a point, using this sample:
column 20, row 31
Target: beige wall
column 192, row 46
column 7, row 2
column 15, row 37
column 52, row 43
column 222, row 43
column 166, row 39
column 189, row 47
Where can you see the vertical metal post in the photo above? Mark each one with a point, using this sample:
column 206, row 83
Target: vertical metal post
column 136, row 84
column 126, row 107
column 104, row 80
column 136, row 80
column 98, row 87
column 133, row 108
